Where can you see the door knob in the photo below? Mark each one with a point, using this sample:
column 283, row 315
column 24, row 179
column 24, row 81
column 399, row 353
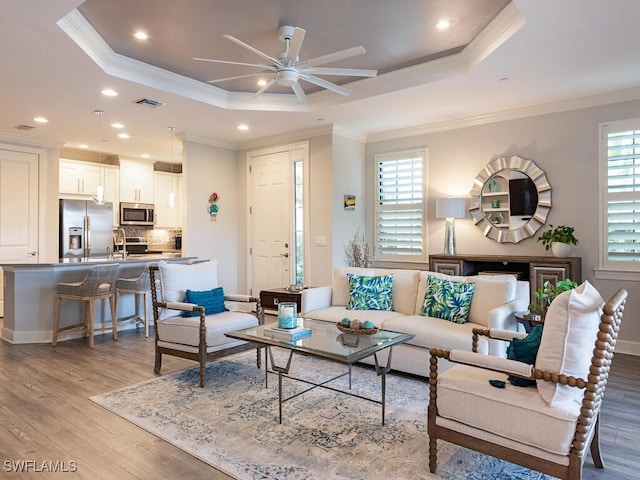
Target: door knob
column 285, row 255
column 32, row 254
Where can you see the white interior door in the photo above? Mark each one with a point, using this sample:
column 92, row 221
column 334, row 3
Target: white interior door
column 18, row 209
column 271, row 215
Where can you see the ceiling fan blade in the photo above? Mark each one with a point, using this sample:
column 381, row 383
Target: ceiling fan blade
column 275, row 61
column 218, row 80
column 295, row 44
column 297, row 89
column 325, row 84
column 353, row 72
column 333, row 57
column 264, row 88
column 267, row 67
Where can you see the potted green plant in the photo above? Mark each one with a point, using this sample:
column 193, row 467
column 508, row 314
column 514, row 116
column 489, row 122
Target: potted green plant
column 546, row 293
column 559, row 240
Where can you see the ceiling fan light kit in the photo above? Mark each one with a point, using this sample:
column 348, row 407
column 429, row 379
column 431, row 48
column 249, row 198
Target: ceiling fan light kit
column 288, row 70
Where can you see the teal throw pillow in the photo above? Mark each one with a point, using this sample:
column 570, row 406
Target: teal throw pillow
column 525, row 350
column 370, row 293
column 211, row 300
column 447, row 299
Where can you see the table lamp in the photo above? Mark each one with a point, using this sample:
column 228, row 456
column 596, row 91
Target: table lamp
column 450, row 209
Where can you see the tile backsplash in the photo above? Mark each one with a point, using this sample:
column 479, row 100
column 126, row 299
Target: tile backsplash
column 157, row 238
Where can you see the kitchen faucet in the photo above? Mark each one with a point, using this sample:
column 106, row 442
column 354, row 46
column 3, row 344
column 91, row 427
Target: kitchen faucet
column 124, row 243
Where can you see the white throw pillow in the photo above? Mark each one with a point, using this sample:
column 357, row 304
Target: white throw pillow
column 175, row 278
column 568, row 339
column 491, row 292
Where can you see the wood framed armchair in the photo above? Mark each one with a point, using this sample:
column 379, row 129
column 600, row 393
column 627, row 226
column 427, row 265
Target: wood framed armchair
column 194, row 326
column 549, row 426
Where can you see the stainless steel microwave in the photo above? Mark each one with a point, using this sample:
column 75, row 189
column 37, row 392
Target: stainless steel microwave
column 137, row 213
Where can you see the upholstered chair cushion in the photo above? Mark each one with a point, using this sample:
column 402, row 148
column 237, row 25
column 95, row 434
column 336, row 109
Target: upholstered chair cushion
column 370, row 293
column 465, row 396
column 175, row 278
column 340, row 283
column 568, row 340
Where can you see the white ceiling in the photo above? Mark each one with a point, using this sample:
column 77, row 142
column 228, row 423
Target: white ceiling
column 534, row 56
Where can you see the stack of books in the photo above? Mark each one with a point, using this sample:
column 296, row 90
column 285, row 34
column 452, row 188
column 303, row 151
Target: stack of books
column 287, row 334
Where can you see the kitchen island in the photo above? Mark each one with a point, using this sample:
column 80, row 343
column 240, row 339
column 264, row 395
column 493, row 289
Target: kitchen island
column 30, row 295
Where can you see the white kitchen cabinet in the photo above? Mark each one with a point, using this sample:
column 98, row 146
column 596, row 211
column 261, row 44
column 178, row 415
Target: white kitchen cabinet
column 136, row 181
column 168, row 215
column 78, row 178
column 111, row 182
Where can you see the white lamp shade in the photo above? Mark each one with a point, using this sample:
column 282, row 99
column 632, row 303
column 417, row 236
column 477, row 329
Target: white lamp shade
column 450, row 207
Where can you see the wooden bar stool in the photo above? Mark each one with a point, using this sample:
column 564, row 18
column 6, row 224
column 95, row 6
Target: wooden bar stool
column 99, row 284
column 140, row 287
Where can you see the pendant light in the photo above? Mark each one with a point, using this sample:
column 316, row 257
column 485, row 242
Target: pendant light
column 99, row 198
column 172, row 195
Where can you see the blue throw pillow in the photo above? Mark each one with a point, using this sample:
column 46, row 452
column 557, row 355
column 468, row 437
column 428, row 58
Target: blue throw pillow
column 370, row 293
column 211, row 300
column 447, row 299
column 525, row 350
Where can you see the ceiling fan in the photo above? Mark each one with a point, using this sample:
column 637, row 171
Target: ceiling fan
column 287, row 68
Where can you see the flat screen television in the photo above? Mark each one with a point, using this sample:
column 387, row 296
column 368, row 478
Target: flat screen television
column 523, row 197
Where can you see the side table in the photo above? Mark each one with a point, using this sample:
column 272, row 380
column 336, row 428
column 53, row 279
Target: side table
column 527, row 321
column 271, row 297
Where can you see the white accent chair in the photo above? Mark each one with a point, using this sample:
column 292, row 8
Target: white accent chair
column 548, row 427
column 200, row 337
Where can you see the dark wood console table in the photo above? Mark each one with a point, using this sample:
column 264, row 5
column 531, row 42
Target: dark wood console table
column 535, row 269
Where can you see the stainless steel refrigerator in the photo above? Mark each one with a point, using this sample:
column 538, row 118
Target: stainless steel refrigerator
column 86, row 228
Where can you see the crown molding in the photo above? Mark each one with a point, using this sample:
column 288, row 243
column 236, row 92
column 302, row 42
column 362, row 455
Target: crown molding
column 187, row 137
column 30, row 141
column 514, row 114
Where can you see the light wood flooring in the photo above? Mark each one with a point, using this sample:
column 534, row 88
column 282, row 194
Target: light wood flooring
column 45, row 414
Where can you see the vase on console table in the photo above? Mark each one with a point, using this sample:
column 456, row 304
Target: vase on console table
column 560, row 250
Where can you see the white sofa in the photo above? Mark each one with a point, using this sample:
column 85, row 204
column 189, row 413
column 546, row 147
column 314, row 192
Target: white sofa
column 495, row 299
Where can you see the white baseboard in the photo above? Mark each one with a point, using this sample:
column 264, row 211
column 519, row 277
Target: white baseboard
column 627, row 347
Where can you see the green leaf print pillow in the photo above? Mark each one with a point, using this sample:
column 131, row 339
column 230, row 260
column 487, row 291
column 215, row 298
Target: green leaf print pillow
column 370, row 293
column 447, row 299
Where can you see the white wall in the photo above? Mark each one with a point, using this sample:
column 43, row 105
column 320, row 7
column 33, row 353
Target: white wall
column 565, row 146
column 210, row 169
column 348, row 178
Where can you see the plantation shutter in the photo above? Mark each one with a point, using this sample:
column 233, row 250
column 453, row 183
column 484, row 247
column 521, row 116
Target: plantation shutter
column 400, row 207
column 622, row 197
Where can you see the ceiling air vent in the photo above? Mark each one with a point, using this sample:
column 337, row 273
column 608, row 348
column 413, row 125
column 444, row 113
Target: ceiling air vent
column 22, row 126
column 148, row 102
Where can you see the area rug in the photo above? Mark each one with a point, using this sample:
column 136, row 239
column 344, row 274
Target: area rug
column 232, row 424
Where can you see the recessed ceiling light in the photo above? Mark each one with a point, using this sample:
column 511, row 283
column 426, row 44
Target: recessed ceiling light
column 117, row 125
column 443, row 24
column 83, row 145
column 107, row 92
column 145, row 155
column 40, row 120
column 140, row 35
column 243, row 127
column 262, row 82
column 123, row 135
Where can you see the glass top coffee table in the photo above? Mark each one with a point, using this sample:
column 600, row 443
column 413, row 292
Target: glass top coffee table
column 325, row 341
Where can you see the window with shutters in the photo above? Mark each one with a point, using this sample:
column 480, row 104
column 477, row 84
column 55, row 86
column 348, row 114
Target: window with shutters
column 620, row 177
column 400, row 206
